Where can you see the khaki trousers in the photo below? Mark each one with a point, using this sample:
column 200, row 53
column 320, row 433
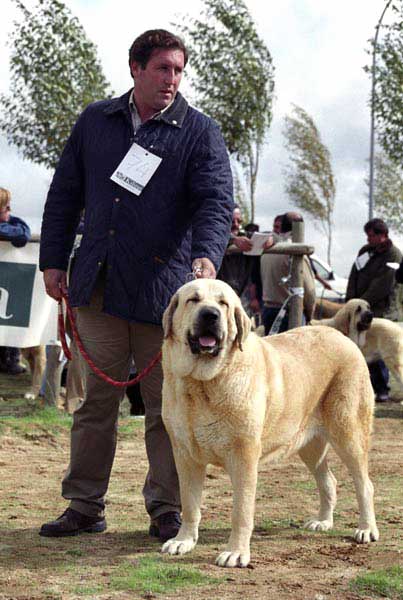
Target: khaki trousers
column 113, row 343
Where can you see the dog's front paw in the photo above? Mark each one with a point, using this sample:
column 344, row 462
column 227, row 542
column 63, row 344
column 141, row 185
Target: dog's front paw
column 233, row 559
column 316, row 525
column 175, row 546
column 364, row 536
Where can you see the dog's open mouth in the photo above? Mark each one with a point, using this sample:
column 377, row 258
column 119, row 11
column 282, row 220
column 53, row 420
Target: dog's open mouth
column 208, row 343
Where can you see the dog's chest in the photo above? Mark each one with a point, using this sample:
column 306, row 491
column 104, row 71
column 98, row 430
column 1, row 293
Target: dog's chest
column 207, row 431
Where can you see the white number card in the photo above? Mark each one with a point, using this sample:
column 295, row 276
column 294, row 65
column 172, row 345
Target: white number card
column 136, row 169
column 361, row 261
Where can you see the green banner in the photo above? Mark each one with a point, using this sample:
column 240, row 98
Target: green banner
column 16, row 287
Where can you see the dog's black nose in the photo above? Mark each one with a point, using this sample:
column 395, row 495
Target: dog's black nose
column 209, row 315
column 367, row 317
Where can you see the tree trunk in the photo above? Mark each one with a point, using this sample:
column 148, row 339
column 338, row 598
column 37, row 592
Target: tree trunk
column 329, row 241
column 253, row 170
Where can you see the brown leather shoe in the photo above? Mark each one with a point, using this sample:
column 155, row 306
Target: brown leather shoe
column 166, row 526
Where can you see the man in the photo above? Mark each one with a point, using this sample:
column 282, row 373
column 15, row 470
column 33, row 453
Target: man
column 372, row 278
column 154, row 178
column 275, row 267
column 14, row 230
column 241, row 271
column 236, row 267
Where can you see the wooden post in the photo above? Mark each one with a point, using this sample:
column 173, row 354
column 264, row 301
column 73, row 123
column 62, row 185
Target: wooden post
column 297, row 279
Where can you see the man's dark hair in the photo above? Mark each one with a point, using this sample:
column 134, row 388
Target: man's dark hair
column 288, row 219
column 143, row 46
column 377, row 226
column 251, row 227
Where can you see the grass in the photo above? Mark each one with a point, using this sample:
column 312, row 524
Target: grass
column 271, row 524
column 387, row 583
column 48, row 420
column 157, row 576
column 92, row 591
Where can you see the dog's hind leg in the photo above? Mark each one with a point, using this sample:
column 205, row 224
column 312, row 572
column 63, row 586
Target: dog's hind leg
column 314, row 456
column 355, row 457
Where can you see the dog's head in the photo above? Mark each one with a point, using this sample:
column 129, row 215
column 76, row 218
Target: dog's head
column 354, row 318
column 203, row 323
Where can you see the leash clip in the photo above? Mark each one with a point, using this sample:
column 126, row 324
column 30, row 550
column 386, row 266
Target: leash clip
column 197, row 270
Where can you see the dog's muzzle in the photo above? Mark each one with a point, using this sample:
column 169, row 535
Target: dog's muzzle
column 365, row 322
column 207, row 335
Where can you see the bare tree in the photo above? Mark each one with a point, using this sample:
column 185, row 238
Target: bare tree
column 309, row 177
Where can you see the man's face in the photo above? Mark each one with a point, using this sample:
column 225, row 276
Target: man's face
column 5, row 214
column 236, row 221
column 375, row 238
column 157, row 84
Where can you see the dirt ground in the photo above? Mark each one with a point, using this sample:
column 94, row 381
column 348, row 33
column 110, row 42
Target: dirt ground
column 287, row 561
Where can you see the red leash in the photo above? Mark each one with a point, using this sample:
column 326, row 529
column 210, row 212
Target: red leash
column 66, row 350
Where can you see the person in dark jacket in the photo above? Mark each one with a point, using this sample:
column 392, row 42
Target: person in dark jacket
column 16, row 231
column 372, row 278
column 154, row 178
column 236, row 268
column 399, row 273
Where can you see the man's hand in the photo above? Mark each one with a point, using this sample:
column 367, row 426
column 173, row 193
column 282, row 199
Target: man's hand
column 242, row 242
column 203, row 268
column 55, row 283
column 268, row 243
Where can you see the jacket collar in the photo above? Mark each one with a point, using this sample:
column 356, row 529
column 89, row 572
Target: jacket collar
column 379, row 249
column 174, row 115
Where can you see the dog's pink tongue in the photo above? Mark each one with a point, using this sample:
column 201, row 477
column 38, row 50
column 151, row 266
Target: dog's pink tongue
column 207, row 341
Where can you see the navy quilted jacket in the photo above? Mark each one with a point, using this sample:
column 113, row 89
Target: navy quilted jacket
column 145, row 243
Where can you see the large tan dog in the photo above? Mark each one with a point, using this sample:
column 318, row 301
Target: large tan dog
column 377, row 338
column 230, row 397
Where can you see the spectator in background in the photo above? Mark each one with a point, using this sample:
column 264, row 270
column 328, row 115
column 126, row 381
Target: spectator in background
column 16, row 231
column 241, row 271
column 236, row 267
column 255, row 287
column 12, row 229
column 399, row 273
column 373, row 279
column 275, row 267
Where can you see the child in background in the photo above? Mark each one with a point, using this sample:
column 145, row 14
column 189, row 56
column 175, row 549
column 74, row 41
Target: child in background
column 16, row 231
column 12, row 229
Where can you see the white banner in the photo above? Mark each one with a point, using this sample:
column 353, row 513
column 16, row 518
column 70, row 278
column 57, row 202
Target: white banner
column 28, row 317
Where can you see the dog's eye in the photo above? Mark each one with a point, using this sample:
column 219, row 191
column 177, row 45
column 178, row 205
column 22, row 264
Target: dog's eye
column 223, row 303
column 359, row 309
column 193, row 300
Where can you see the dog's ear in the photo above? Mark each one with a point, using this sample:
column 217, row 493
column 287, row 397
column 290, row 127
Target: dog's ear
column 243, row 325
column 346, row 324
column 168, row 316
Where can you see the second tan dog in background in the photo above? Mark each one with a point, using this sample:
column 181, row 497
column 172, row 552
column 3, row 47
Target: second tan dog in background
column 377, row 338
column 36, row 359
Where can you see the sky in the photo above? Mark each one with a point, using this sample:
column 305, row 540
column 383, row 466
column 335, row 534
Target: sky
column 319, row 51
